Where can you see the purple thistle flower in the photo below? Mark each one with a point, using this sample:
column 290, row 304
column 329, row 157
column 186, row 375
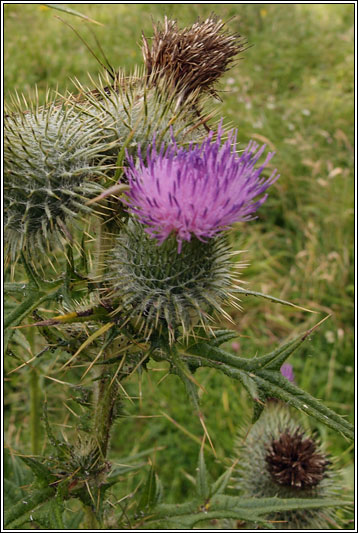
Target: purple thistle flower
column 287, row 371
column 200, row 190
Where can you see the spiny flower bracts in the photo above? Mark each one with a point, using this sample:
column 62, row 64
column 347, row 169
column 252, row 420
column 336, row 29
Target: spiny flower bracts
column 53, row 161
column 159, row 287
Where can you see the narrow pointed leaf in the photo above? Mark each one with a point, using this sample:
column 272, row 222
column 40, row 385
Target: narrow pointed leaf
column 273, row 384
column 206, row 351
column 189, row 514
column 273, row 299
column 22, row 509
column 50, row 515
column 43, row 475
column 220, row 485
column 149, row 493
column 223, row 335
column 202, row 478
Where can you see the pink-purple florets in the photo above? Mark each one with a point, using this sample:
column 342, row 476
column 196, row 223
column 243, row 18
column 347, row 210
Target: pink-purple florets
column 200, row 190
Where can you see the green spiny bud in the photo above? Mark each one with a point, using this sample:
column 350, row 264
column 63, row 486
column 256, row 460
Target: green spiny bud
column 53, row 159
column 160, row 287
column 135, row 108
column 278, row 458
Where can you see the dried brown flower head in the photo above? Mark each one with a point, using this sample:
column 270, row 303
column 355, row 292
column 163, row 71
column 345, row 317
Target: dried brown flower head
column 191, row 58
column 293, row 461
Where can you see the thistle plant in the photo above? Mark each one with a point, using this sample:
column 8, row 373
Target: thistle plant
column 129, row 190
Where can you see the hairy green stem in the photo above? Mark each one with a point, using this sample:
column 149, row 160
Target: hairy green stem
column 104, row 242
column 35, row 412
column 107, row 387
column 35, row 409
column 104, row 414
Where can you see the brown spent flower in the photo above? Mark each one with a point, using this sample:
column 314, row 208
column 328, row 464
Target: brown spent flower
column 192, row 58
column 293, row 461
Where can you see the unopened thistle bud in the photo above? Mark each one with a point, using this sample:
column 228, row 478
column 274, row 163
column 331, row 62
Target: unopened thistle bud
column 53, row 160
column 134, row 108
column 278, row 458
column 191, row 59
column 162, row 289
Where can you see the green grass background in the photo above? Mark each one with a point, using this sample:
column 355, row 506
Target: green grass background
column 292, row 89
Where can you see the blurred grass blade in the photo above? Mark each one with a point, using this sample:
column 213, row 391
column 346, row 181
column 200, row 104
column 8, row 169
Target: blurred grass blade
column 69, row 11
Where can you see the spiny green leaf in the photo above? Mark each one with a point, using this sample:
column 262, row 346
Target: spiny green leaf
column 50, row 514
column 72, row 520
column 41, row 472
column 202, row 478
column 23, row 508
column 150, row 492
column 13, row 288
column 61, row 446
column 273, row 384
column 206, row 351
column 34, row 298
column 180, row 368
column 272, row 299
column 259, row 405
column 12, row 493
column 249, row 384
column 189, row 514
column 262, row 378
column 126, row 462
column 275, row 359
column 281, row 353
column 218, row 337
column 220, row 485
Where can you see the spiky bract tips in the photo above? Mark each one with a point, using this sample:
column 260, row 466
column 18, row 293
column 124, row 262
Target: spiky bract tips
column 193, row 58
column 134, row 109
column 278, row 458
column 53, row 162
column 162, row 289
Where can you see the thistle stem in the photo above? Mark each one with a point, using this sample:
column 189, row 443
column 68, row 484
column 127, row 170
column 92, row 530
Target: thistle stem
column 35, row 412
column 104, row 242
column 104, row 412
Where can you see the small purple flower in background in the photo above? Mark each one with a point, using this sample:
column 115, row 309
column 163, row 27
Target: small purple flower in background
column 200, row 190
column 235, row 346
column 287, row 371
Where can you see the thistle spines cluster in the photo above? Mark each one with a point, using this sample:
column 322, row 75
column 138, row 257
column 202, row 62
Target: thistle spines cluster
column 161, row 289
column 136, row 107
column 277, row 457
column 54, row 161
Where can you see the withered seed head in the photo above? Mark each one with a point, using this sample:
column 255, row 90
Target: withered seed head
column 192, row 58
column 293, row 461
